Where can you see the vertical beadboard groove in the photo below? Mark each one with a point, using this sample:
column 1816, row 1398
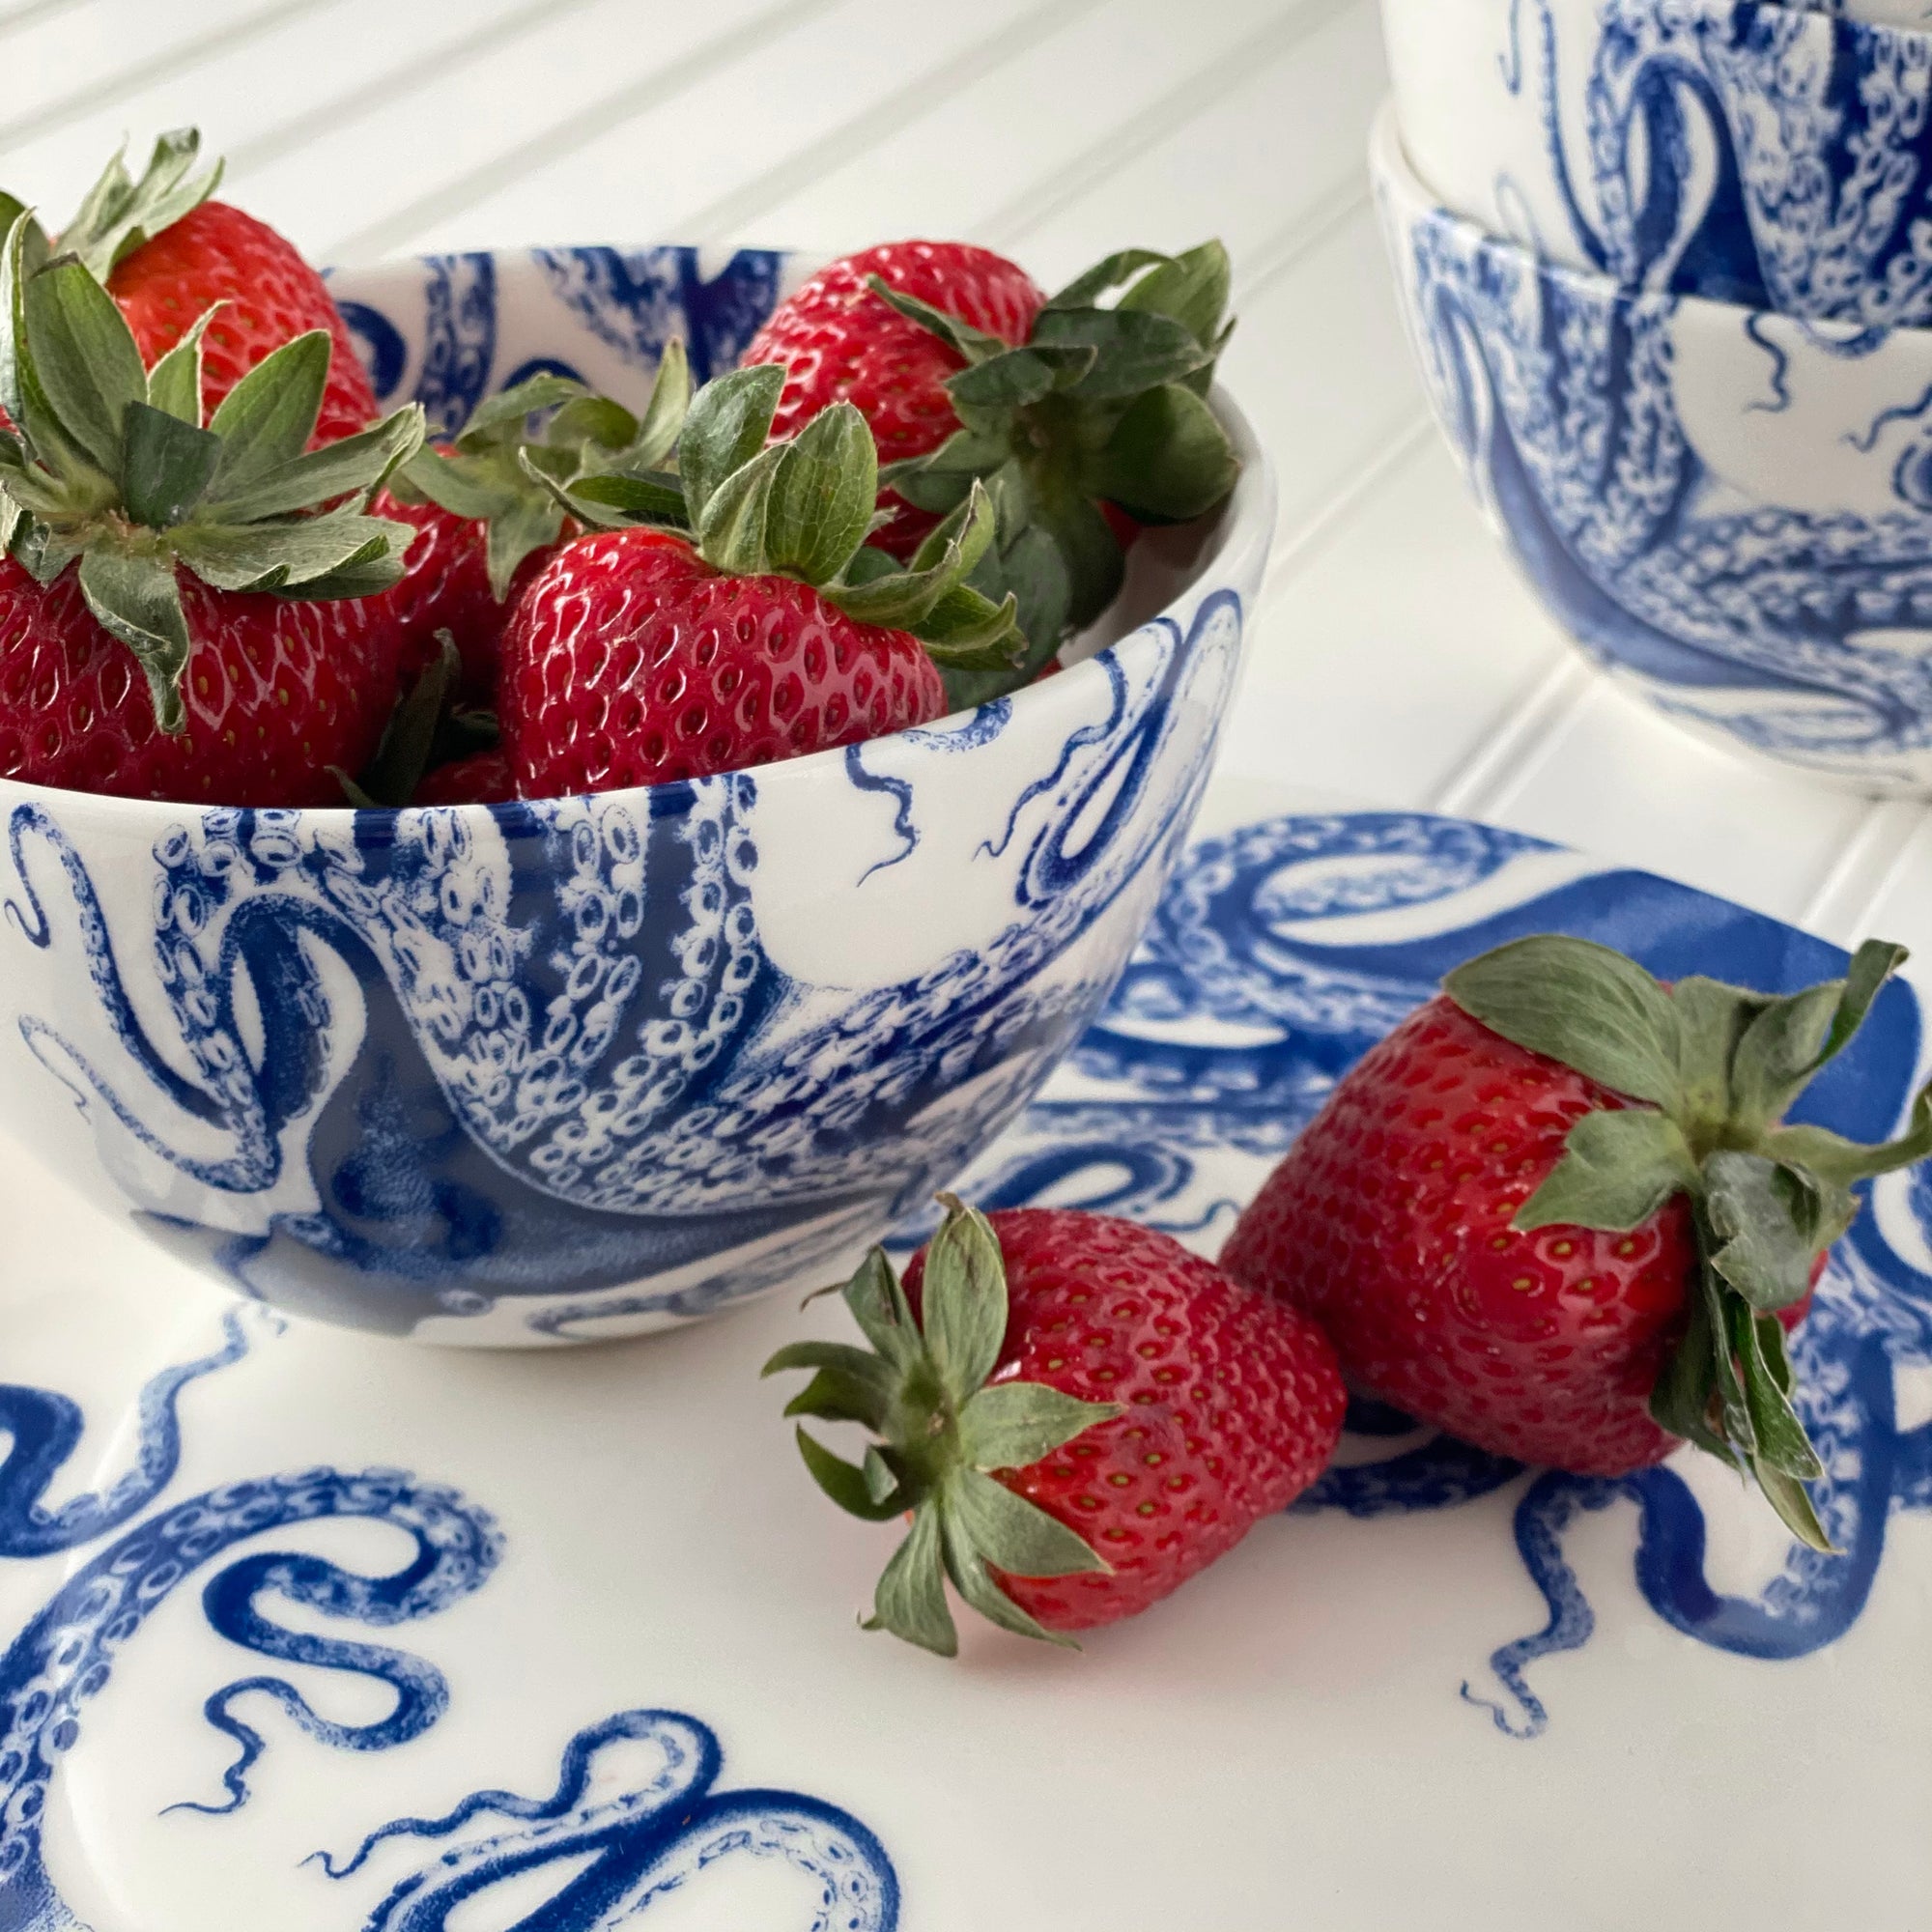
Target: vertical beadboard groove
column 584, row 125
column 127, row 83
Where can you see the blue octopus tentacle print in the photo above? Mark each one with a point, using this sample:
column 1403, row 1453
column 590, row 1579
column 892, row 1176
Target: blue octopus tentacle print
column 1740, row 150
column 1783, row 626
column 548, row 1053
column 628, row 1850
column 636, row 302
column 1283, row 950
column 64, row 1657
column 440, row 1575
column 41, row 1428
column 619, row 1842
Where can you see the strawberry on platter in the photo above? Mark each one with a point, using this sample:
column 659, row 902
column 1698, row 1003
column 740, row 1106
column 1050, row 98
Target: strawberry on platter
column 168, row 255
column 1559, row 1212
column 1078, row 1413
column 188, row 611
column 1083, row 414
column 731, row 613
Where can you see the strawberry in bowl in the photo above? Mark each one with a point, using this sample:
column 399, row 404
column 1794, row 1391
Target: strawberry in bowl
column 641, row 1007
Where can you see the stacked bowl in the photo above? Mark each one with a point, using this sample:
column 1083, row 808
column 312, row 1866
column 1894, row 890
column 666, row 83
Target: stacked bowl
column 1667, row 267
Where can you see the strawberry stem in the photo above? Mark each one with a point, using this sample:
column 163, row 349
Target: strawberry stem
column 1715, row 1068
column 943, row 1428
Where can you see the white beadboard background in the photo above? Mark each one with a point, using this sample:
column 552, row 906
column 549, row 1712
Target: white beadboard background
column 1396, row 657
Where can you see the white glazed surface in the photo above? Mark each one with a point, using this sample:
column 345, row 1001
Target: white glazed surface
column 1882, row 12
column 1445, row 1694
column 564, row 1071
column 1738, row 150
column 1727, row 509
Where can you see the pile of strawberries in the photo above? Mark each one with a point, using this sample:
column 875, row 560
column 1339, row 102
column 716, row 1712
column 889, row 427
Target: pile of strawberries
column 223, row 580
column 1558, row 1213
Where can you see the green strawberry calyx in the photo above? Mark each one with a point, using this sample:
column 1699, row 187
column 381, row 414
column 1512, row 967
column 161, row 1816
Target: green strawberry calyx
column 927, row 1390
column 514, row 479
column 120, row 211
column 802, row 507
column 1712, row 1069
column 106, row 466
column 428, row 727
column 1105, row 399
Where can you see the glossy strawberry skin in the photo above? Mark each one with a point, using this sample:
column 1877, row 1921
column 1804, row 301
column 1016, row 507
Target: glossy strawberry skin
column 446, row 588
column 216, row 253
column 629, row 661
column 1389, row 1222
column 839, row 341
column 483, row 778
column 1234, row 1404
column 276, row 692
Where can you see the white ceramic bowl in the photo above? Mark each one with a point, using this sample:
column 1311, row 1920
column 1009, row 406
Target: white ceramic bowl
column 554, row 1072
column 1743, row 150
column 1727, row 509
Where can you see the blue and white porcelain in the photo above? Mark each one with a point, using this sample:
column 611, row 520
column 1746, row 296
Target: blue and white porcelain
column 1885, row 12
column 1748, row 151
column 303, row 1635
column 554, row 1072
column 1728, row 510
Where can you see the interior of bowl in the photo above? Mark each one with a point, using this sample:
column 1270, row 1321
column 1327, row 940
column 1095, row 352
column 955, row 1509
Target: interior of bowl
column 448, row 331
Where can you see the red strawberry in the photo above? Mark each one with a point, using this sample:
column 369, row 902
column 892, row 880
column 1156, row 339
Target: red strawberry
column 215, row 253
column 483, row 778
column 638, row 655
column 1123, row 529
column 1527, row 1215
column 630, row 660
column 147, row 548
column 275, row 693
column 1084, row 420
column 839, row 341
column 446, row 587
column 168, row 255
column 489, row 509
column 1079, row 1413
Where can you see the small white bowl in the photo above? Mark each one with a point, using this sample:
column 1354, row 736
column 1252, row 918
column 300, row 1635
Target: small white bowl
column 562, row 1071
column 1743, row 150
column 1729, row 510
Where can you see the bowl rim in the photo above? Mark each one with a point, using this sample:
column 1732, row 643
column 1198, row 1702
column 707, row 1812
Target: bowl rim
column 1396, row 179
column 1237, row 547
column 1839, row 24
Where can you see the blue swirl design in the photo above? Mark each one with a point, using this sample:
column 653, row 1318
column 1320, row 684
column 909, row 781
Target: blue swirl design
column 622, row 1853
column 639, row 1847
column 637, row 300
column 1780, row 370
column 459, row 346
column 426, row 1064
column 900, row 794
column 1773, row 626
column 65, row 1655
column 1280, row 953
column 41, row 1428
column 1749, row 151
column 422, row 1695
column 379, row 344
